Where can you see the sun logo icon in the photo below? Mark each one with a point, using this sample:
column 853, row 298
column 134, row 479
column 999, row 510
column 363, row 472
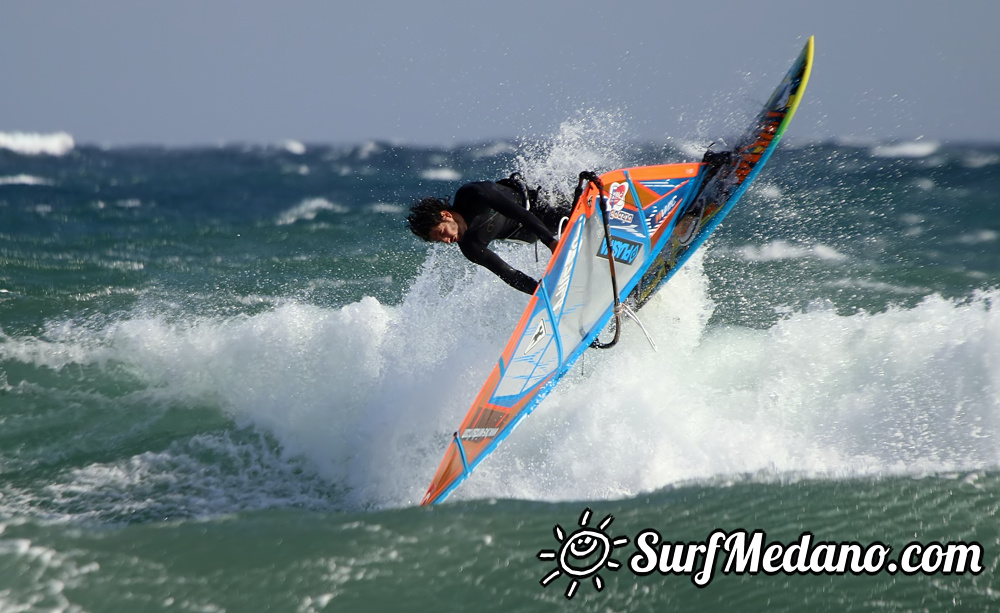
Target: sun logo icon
column 583, row 554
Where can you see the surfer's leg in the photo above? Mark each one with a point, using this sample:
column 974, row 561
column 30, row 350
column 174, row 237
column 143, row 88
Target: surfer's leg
column 690, row 221
column 715, row 160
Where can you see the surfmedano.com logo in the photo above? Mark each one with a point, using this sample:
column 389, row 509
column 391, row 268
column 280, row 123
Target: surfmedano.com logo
column 583, row 554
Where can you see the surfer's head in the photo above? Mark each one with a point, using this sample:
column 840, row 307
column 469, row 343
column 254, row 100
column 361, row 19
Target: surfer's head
column 433, row 220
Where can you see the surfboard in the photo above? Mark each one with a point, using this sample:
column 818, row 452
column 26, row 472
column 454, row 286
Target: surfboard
column 725, row 188
column 623, row 241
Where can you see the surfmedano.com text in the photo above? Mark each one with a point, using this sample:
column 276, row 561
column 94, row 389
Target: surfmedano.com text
column 742, row 553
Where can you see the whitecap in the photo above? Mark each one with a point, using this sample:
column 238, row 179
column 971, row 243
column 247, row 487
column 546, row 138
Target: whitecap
column 783, row 250
column 367, row 150
column 493, row 149
column 914, row 149
column 857, row 142
column 294, row 147
column 385, row 207
column 979, row 237
column 440, row 174
column 24, row 180
column 25, row 143
column 978, row 159
column 307, row 210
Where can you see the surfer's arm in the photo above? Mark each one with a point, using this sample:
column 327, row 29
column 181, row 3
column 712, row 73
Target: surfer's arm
column 511, row 276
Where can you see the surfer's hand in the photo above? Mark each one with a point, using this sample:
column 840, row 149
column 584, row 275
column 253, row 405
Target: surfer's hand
column 552, row 246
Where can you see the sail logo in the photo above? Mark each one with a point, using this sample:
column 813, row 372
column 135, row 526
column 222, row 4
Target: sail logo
column 624, row 216
column 539, row 335
column 624, row 251
column 472, row 434
column 616, row 196
column 582, row 554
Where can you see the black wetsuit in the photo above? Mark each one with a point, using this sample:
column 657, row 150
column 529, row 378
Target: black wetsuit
column 497, row 212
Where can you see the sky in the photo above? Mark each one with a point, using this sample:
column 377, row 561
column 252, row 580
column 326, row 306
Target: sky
column 436, row 72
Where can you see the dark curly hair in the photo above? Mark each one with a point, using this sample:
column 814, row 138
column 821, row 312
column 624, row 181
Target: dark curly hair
column 426, row 214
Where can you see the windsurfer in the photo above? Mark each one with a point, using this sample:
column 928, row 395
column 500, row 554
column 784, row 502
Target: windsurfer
column 485, row 211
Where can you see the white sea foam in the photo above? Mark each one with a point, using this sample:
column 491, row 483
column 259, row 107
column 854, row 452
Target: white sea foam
column 367, row 395
column 977, row 159
column 160, row 484
column 48, row 572
column 368, row 149
column 294, row 147
column 26, row 143
column 914, row 149
column 784, row 250
column 858, row 142
column 386, row 207
column 307, row 210
column 979, row 237
column 24, row 180
column 441, row 174
column 867, row 284
column 493, row 149
column 906, row 391
column 301, row 169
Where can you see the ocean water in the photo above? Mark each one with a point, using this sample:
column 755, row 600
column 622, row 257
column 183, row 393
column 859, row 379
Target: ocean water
column 227, row 375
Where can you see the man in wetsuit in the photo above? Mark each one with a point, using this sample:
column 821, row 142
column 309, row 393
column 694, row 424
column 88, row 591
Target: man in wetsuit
column 486, row 211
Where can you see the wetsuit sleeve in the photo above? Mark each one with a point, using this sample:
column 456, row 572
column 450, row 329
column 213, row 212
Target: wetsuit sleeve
column 511, row 276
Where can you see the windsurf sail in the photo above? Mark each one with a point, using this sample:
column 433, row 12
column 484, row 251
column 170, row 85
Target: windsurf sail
column 623, row 234
column 573, row 303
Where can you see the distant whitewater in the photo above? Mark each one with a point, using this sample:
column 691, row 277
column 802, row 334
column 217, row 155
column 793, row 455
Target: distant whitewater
column 26, row 143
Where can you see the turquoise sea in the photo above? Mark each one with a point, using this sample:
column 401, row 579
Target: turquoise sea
column 227, row 375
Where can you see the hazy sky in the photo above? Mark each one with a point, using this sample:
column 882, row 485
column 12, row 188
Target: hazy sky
column 437, row 72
